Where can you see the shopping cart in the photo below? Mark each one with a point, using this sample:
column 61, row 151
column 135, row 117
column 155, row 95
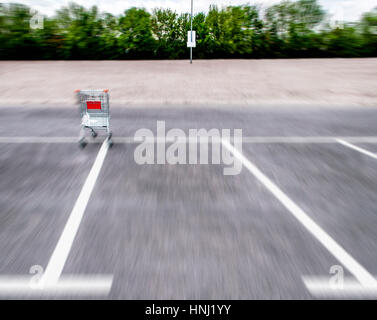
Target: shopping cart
column 95, row 113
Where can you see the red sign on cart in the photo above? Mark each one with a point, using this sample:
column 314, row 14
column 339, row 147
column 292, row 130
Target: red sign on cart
column 96, row 105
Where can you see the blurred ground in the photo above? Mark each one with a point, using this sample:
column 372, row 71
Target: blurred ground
column 188, row 231
column 220, row 82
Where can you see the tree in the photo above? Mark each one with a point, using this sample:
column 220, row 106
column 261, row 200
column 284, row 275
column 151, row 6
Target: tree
column 287, row 29
column 135, row 38
column 165, row 28
column 82, row 30
column 369, row 32
column 16, row 36
column 290, row 27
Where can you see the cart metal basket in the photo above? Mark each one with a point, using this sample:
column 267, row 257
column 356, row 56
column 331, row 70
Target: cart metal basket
column 95, row 113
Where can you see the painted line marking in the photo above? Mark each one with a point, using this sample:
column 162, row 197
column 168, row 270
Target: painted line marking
column 360, row 273
column 90, row 285
column 321, row 287
column 251, row 140
column 307, row 140
column 361, row 150
column 51, row 282
column 38, row 140
column 58, row 258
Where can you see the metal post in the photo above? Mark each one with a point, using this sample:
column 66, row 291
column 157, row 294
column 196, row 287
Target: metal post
column 192, row 5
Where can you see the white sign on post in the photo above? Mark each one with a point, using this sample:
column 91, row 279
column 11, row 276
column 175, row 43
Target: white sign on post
column 191, row 44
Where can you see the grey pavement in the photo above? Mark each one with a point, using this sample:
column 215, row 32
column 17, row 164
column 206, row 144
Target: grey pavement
column 188, row 231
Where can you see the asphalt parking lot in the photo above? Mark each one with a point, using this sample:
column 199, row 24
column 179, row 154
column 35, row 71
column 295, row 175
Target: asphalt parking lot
column 188, row 231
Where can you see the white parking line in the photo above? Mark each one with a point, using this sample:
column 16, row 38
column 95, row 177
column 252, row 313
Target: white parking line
column 38, row 139
column 349, row 288
column 361, row 150
column 360, row 273
column 51, row 282
column 246, row 139
column 308, row 140
column 92, row 285
column 57, row 261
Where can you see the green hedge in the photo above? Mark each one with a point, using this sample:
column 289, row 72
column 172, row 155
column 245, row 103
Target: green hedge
column 298, row 29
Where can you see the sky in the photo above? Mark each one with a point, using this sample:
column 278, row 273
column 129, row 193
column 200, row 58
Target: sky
column 347, row 10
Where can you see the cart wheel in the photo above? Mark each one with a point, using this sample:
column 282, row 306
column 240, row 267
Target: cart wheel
column 110, row 142
column 94, row 134
column 82, row 143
